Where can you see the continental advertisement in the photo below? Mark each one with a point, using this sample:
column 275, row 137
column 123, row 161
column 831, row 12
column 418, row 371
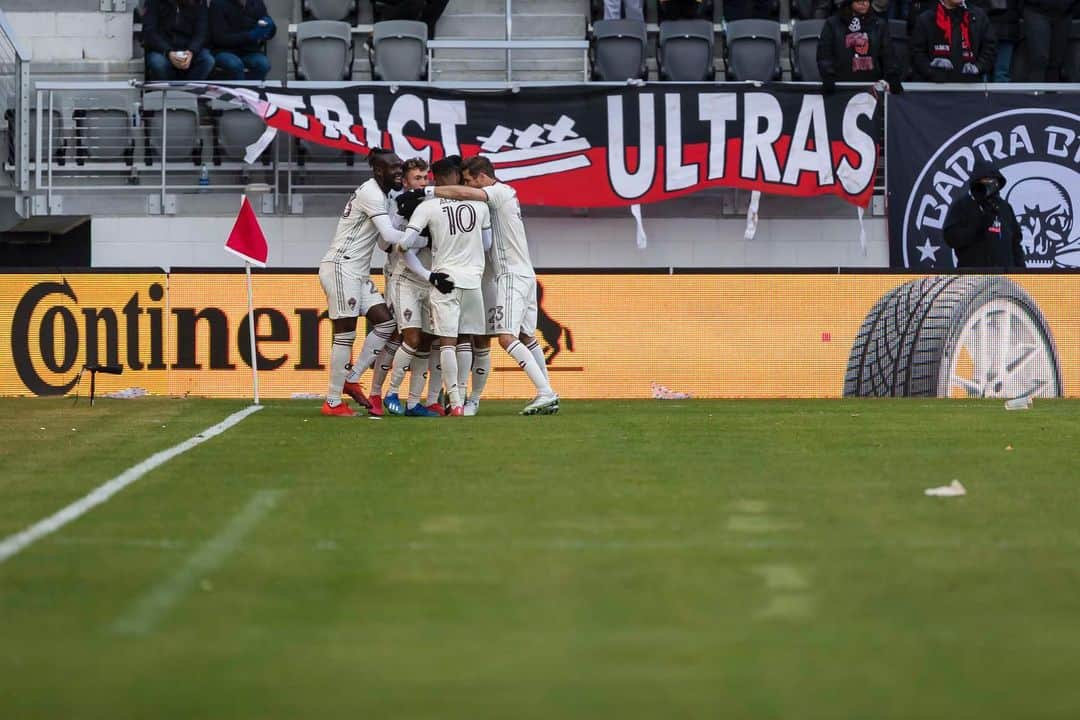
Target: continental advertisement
column 604, row 335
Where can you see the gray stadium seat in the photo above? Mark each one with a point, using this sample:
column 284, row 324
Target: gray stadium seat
column 619, row 50
column 686, row 50
column 58, row 137
column 172, row 118
column 898, row 39
column 104, row 134
column 323, row 50
column 804, row 41
column 330, row 9
column 399, row 50
column 753, row 48
column 235, row 128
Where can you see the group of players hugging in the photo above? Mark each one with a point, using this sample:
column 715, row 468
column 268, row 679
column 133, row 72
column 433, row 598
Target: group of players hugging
column 457, row 272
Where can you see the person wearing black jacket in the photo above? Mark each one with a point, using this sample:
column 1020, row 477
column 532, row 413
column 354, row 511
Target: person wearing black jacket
column 1005, row 20
column 981, row 226
column 854, row 47
column 1046, row 37
column 239, row 30
column 174, row 35
column 953, row 43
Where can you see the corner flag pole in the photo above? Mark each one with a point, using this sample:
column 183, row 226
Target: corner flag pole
column 251, row 335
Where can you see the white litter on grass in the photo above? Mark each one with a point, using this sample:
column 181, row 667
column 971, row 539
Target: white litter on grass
column 1021, row 403
column 659, row 392
column 307, row 396
column 127, row 393
column 953, row 489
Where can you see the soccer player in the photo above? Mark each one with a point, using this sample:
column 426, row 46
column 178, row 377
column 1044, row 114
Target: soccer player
column 345, row 275
column 511, row 304
column 460, row 234
column 408, row 295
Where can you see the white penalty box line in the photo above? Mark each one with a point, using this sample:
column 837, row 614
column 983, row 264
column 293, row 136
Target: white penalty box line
column 12, row 545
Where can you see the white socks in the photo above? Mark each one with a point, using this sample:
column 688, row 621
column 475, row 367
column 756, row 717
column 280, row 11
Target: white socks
column 538, row 355
column 450, row 374
column 434, row 376
column 480, row 370
column 464, row 366
column 417, row 378
column 373, row 343
column 527, row 363
column 383, row 363
column 403, row 360
column 340, row 354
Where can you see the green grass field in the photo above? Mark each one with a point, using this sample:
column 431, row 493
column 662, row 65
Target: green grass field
column 736, row 559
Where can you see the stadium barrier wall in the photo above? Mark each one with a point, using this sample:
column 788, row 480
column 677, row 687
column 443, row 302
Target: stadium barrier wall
column 607, row 335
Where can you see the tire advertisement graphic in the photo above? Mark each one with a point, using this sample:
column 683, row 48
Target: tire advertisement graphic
column 954, row 336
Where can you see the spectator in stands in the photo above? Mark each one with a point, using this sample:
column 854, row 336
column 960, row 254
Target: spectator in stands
column 426, row 11
column 175, row 35
column 1046, row 37
column 239, row 30
column 952, row 43
column 826, row 8
column 685, row 9
column 629, row 9
column 1005, row 19
column 854, row 47
column 981, row 225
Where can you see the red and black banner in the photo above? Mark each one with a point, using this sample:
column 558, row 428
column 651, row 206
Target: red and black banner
column 604, row 146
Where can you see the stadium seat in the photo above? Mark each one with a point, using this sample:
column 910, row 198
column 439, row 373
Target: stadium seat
column 172, row 118
column 618, row 51
column 234, row 129
column 804, row 41
column 898, row 39
column 104, row 134
column 399, row 50
column 330, row 9
column 323, row 50
column 753, row 48
column 686, row 50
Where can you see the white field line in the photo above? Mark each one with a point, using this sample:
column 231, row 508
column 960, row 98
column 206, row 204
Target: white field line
column 11, row 545
column 148, row 609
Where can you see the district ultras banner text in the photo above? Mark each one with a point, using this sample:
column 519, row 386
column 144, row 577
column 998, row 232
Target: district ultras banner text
column 603, row 146
column 604, row 335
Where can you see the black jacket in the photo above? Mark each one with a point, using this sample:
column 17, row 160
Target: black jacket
column 175, row 25
column 983, row 230
column 1004, row 16
column 1051, row 7
column 927, row 39
column 230, row 23
column 837, row 56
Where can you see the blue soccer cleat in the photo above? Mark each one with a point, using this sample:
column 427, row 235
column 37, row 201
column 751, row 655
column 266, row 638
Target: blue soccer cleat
column 419, row 410
column 393, row 403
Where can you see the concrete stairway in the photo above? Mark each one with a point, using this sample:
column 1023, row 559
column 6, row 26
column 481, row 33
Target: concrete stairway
column 530, row 20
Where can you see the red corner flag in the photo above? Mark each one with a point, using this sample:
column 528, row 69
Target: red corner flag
column 246, row 239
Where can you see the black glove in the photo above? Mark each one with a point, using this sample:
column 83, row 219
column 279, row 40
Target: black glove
column 442, row 282
column 408, row 201
column 828, row 86
column 895, row 87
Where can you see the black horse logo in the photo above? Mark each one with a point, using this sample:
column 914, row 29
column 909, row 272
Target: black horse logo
column 552, row 331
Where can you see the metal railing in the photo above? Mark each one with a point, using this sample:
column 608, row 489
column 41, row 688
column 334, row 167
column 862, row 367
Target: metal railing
column 15, row 110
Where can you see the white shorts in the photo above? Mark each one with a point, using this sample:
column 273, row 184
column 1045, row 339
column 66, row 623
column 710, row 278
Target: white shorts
column 348, row 293
column 510, row 304
column 460, row 312
column 410, row 303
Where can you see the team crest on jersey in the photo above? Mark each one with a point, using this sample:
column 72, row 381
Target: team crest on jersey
column 407, row 314
column 351, row 302
column 1037, row 153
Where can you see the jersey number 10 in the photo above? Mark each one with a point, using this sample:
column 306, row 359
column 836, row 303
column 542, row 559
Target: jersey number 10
column 462, row 218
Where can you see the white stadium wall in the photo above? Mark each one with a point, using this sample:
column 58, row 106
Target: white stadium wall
column 555, row 242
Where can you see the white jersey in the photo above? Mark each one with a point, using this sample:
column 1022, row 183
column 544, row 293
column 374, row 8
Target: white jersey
column 509, row 248
column 356, row 236
column 395, row 259
column 457, row 241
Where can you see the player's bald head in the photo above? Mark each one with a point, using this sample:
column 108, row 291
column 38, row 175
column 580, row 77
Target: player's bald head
column 386, row 167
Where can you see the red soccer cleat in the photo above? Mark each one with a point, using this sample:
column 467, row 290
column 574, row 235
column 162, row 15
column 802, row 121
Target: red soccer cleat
column 376, row 408
column 458, row 411
column 356, row 392
column 437, row 408
column 339, row 410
